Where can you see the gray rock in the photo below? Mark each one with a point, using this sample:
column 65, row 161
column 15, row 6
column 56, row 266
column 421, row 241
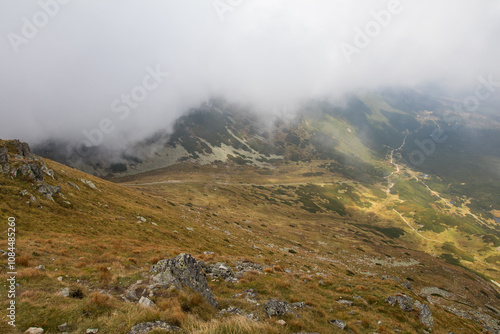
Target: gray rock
column 232, row 310
column 90, row 184
column 23, row 148
column 48, row 191
column 40, row 267
column 339, row 323
column 31, row 170
column 184, row 270
column 146, row 327
column 64, row 292
column 132, row 295
column 407, row 284
column 298, row 305
column 34, row 330
column 74, row 185
column 92, row 330
column 250, row 294
column 63, row 327
column 47, row 171
column 281, row 322
column 345, row 302
column 146, row 302
column 405, row 302
column 274, row 307
column 220, row 270
column 425, row 314
column 25, row 192
column 4, row 156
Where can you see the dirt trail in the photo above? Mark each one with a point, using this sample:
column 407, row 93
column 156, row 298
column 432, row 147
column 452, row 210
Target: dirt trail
column 388, row 191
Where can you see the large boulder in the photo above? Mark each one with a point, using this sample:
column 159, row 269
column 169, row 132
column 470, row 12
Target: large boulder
column 182, row 271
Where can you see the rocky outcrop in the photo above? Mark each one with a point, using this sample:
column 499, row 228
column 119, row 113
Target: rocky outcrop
column 4, row 156
column 48, row 191
column 425, row 314
column 23, row 149
column 405, row 302
column 274, row 307
column 32, row 171
column 183, row 271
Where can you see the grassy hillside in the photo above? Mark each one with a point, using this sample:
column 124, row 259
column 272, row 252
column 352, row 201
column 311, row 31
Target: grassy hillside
column 318, row 237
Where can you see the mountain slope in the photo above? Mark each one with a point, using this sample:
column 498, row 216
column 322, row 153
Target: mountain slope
column 313, row 233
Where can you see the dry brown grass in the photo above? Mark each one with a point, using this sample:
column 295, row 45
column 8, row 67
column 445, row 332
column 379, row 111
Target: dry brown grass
column 30, row 273
column 268, row 270
column 23, row 261
column 104, row 275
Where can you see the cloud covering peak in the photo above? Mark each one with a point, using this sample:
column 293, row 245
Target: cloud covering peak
column 68, row 65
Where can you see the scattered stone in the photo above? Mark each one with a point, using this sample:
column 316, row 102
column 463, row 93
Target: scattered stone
column 63, row 327
column 242, row 267
column 64, row 292
column 40, row 267
column 90, row 184
column 34, row 330
column 74, row 185
column 345, row 302
column 298, row 305
column 208, row 253
column 220, row 270
column 407, row 284
column 231, row 310
column 274, row 307
column 339, row 323
column 184, row 270
column 27, row 193
column 132, row 295
column 281, row 322
column 47, row 171
column 60, row 278
column 92, row 330
column 146, row 327
column 250, row 294
column 144, row 301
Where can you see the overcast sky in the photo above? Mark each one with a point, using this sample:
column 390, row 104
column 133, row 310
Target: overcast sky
column 67, row 65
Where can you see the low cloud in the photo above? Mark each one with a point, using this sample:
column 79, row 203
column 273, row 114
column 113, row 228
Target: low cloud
column 64, row 64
